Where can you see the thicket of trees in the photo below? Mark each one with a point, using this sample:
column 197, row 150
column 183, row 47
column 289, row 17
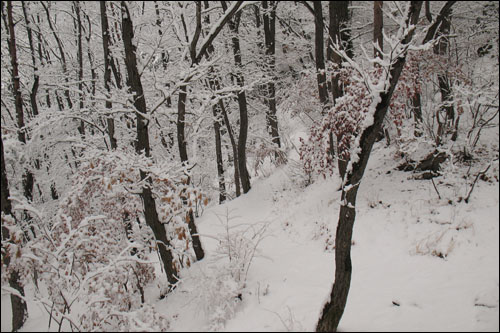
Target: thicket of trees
column 122, row 120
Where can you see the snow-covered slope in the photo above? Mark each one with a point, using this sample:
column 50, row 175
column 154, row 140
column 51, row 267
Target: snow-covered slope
column 420, row 263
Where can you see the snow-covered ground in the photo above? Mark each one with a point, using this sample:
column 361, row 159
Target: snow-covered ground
column 420, row 263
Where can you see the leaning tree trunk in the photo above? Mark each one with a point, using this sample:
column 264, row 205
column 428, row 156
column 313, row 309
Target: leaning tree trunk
column 334, row 308
column 142, row 146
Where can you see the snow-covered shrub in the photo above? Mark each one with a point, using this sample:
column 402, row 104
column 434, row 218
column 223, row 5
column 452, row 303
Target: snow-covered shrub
column 94, row 250
column 219, row 295
column 238, row 246
column 222, row 287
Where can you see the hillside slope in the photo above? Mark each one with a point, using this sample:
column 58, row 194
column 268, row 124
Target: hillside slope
column 419, row 263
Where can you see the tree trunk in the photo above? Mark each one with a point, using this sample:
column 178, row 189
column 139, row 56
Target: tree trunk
column 142, row 145
column 334, row 308
column 339, row 34
column 234, row 146
column 19, row 308
column 218, row 153
column 36, row 78
column 378, row 25
column 164, row 58
column 181, row 118
column 217, row 121
column 181, row 140
column 76, row 4
column 223, row 112
column 242, row 102
column 319, row 53
column 107, row 72
column 270, row 40
column 441, row 48
column 28, row 179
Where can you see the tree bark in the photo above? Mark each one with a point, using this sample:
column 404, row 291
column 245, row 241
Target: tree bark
column 36, row 78
column 340, row 35
column 334, row 308
column 76, row 5
column 218, row 153
column 234, row 146
column 378, row 25
column 242, row 102
column 107, row 73
column 270, row 41
column 217, row 121
column 181, row 118
column 28, row 179
column 319, row 53
column 142, row 146
column 441, row 48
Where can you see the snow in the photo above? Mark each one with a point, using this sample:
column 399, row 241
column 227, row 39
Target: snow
column 419, row 263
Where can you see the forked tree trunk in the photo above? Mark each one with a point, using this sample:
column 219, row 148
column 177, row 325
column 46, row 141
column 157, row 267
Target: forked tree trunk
column 334, row 308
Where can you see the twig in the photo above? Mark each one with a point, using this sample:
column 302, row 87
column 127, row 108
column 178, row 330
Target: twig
column 475, row 181
column 432, row 179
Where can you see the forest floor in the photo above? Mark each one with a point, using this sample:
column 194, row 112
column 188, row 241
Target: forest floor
column 420, row 263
